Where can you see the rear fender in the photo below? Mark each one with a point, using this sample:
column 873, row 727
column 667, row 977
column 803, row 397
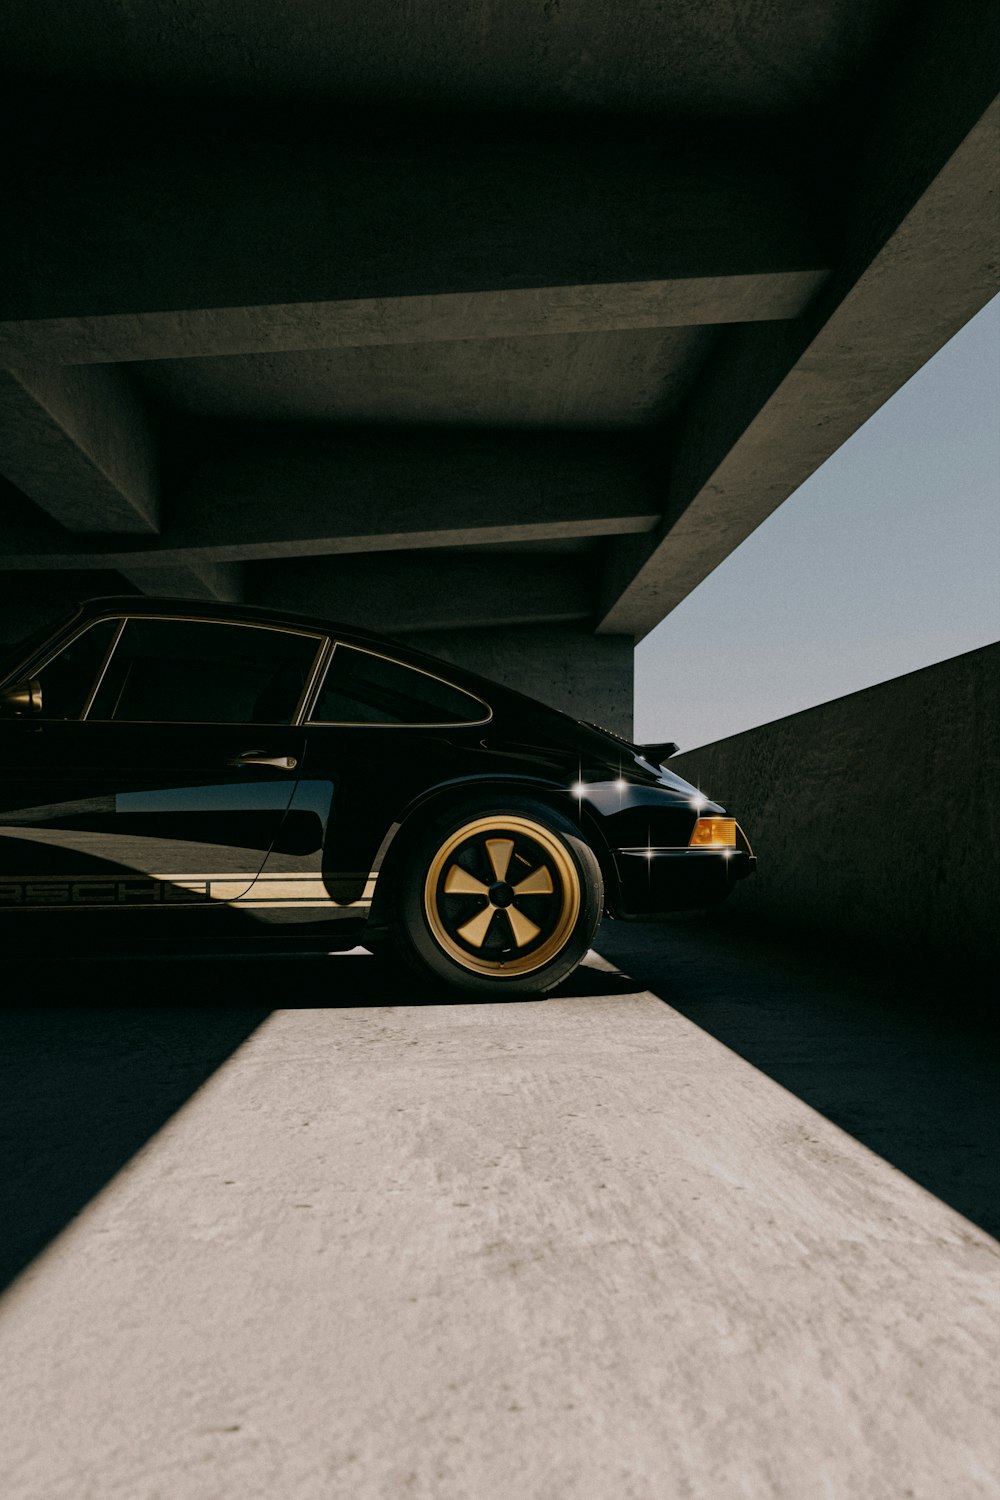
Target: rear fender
column 441, row 799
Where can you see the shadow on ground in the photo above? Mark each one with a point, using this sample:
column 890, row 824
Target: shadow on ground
column 102, row 1051
column 903, row 1058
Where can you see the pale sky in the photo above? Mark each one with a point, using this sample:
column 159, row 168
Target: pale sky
column 887, row 559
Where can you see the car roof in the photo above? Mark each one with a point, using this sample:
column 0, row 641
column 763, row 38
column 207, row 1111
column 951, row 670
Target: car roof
column 218, row 609
column 168, row 607
column 496, row 694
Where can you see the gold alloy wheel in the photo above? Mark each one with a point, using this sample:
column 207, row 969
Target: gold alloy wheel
column 502, row 895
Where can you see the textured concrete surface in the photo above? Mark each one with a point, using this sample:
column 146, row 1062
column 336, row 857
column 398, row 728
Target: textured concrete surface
column 402, row 593
column 81, row 439
column 722, row 233
column 351, row 490
column 595, row 673
column 579, row 1248
column 681, row 54
column 436, row 318
column 877, row 815
column 918, row 260
column 616, row 380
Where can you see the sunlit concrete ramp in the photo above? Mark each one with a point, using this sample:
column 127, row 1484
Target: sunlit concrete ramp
column 605, row 1246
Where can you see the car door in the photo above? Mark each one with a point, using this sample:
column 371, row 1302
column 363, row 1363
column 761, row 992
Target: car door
column 380, row 732
column 163, row 780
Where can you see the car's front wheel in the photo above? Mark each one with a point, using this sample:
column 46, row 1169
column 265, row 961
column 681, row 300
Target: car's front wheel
column 498, row 898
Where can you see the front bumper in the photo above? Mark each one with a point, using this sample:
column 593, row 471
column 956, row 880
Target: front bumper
column 655, row 881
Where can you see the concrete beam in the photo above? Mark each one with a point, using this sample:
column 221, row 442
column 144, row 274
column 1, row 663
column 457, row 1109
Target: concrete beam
column 776, row 401
column 224, row 234
column 242, row 494
column 446, row 317
column 194, row 579
column 78, row 443
column 399, row 595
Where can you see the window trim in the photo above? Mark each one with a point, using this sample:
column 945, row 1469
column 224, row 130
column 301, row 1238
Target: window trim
column 409, row 667
column 68, row 622
column 102, row 669
column 319, row 657
column 48, row 652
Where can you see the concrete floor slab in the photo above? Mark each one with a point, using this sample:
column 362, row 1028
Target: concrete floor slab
column 568, row 1250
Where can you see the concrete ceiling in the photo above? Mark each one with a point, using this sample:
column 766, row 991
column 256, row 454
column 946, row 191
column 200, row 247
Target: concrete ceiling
column 380, row 310
column 617, row 379
column 657, row 56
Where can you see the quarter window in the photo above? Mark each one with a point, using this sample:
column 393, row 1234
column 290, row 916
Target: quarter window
column 68, row 679
column 363, row 688
column 205, row 672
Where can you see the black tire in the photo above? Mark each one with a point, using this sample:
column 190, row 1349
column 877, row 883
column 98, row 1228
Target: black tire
column 456, row 915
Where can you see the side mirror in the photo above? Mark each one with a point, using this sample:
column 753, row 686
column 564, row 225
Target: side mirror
column 21, row 699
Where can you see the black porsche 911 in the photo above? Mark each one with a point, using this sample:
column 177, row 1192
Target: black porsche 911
column 213, row 763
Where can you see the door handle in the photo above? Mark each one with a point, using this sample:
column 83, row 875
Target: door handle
column 258, row 758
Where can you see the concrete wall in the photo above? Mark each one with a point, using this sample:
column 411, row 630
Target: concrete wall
column 876, row 815
column 590, row 677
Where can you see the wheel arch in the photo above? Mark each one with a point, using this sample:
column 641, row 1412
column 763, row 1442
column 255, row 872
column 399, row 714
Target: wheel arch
column 425, row 806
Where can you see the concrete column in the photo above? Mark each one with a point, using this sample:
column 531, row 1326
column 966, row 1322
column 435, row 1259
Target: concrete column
column 588, row 676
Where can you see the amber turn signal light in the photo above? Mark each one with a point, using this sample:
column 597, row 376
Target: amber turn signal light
column 714, row 833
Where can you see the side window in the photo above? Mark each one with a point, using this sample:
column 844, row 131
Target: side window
column 205, row 672
column 362, row 688
column 68, row 679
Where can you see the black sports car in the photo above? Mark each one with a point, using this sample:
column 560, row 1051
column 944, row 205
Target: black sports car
column 211, row 763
